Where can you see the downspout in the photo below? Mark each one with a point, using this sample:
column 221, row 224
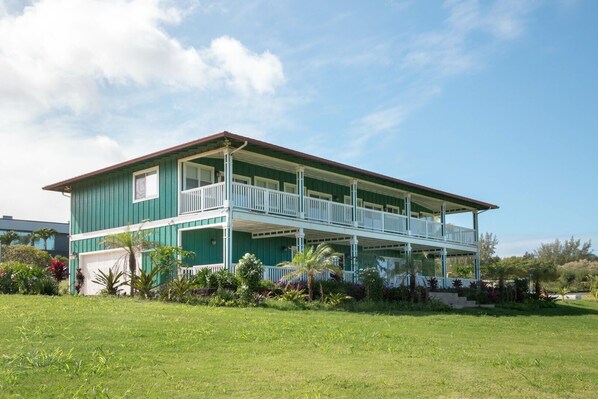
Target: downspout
column 240, row 148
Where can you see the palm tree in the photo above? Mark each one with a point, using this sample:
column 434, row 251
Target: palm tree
column 501, row 271
column 43, row 234
column 133, row 242
column 312, row 261
column 540, row 271
column 8, row 237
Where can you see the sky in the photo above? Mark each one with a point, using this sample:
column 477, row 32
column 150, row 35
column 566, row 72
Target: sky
column 494, row 100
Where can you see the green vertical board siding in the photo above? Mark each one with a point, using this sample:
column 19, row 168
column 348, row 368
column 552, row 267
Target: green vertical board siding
column 199, row 242
column 269, row 250
column 106, row 201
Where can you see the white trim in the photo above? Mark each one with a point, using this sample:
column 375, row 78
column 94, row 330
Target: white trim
column 146, row 171
column 257, row 179
column 398, row 209
column 241, row 177
column 372, row 206
column 285, row 185
column 152, row 225
column 319, row 194
column 201, row 155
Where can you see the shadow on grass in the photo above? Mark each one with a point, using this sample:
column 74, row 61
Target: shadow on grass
column 583, row 308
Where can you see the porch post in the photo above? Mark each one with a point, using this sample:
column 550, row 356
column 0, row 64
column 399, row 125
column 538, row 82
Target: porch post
column 227, row 234
column 300, row 240
column 301, row 191
column 408, row 259
column 408, row 213
column 354, row 254
column 443, row 266
column 354, row 203
column 476, row 258
column 443, row 219
column 227, row 243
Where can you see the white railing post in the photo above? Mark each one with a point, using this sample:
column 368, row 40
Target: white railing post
column 443, row 220
column 354, row 254
column 408, row 213
column 443, row 266
column 354, row 203
column 301, row 191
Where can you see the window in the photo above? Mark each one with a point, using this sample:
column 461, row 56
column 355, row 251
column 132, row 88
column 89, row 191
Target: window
column 145, row 184
column 266, row 183
column 195, row 175
column 375, row 207
column 393, row 209
column 318, row 195
column 241, row 179
column 348, row 201
column 290, row 188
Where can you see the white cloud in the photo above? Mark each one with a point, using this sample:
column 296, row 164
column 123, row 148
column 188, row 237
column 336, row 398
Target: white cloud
column 61, row 53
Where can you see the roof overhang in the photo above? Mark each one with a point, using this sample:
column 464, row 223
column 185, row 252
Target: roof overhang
column 226, row 138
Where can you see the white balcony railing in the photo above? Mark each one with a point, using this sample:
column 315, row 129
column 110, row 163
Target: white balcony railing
column 287, row 204
column 202, row 198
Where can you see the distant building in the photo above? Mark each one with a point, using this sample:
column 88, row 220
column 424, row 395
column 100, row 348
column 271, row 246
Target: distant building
column 57, row 245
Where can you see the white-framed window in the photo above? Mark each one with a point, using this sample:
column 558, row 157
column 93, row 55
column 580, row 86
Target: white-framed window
column 415, row 215
column 196, row 175
column 290, row 188
column 266, row 183
column 427, row 216
column 339, row 261
column 347, row 201
column 375, row 207
column 241, row 179
column 145, row 184
column 393, row 209
column 319, row 195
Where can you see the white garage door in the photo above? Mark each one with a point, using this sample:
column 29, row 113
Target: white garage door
column 104, row 260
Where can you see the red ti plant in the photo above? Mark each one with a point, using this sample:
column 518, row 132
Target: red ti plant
column 58, row 269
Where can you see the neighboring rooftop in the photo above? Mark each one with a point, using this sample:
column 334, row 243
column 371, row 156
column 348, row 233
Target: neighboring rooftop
column 216, row 140
column 8, row 223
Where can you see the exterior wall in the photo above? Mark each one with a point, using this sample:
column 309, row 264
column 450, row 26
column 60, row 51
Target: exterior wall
column 167, row 235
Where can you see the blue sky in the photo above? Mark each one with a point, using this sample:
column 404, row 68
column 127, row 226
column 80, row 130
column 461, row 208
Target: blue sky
column 491, row 100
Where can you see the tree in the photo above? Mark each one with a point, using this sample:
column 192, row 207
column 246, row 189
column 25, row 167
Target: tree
column 132, row 242
column 43, row 234
column 169, row 259
column 503, row 270
column 558, row 253
column 312, row 261
column 8, row 237
column 487, row 244
column 540, row 271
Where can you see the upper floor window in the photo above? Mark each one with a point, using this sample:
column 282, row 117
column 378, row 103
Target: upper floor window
column 266, row 183
column 290, row 188
column 145, row 184
column 347, row 201
column 393, row 209
column 196, row 175
column 241, row 179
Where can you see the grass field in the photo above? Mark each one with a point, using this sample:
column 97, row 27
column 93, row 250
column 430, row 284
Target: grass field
column 65, row 347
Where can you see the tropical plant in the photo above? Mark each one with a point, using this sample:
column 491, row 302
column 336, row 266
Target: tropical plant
column 501, row 271
column 145, row 282
column 8, row 237
column 179, row 289
column 26, row 254
column 250, row 271
column 79, row 280
column 58, row 269
column 44, row 234
column 205, row 278
column 562, row 292
column 294, row 296
column 110, row 282
column 169, row 259
column 373, row 283
column 539, row 272
column 133, row 243
column 312, row 261
column 433, row 283
column 22, row 278
column 457, row 283
column 335, row 299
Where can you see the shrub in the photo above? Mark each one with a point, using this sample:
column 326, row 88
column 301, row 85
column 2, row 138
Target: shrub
column 226, row 280
column 457, row 283
column 205, row 279
column 17, row 277
column 168, row 259
column 250, row 271
column 373, row 283
column 58, row 269
column 294, row 296
column 79, row 280
column 178, row 290
column 433, row 283
column 26, row 254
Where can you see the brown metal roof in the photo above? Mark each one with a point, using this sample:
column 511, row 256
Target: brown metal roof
column 63, row 185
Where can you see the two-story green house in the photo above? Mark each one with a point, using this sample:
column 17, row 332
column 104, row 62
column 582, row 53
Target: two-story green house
column 225, row 195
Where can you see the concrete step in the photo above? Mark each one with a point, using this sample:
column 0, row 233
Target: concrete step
column 453, row 299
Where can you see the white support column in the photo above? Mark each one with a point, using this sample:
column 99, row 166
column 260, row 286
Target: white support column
column 443, row 219
column 354, row 255
column 227, row 243
column 354, row 202
column 408, row 258
column 301, row 191
column 227, row 234
column 408, row 212
column 476, row 258
column 443, row 267
column 300, row 240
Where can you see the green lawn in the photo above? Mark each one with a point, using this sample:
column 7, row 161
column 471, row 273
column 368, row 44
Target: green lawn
column 66, row 347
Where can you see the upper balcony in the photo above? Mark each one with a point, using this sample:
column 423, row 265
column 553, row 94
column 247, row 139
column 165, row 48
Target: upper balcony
column 272, row 202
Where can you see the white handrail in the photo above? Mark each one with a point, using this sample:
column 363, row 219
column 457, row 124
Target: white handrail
column 202, row 198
